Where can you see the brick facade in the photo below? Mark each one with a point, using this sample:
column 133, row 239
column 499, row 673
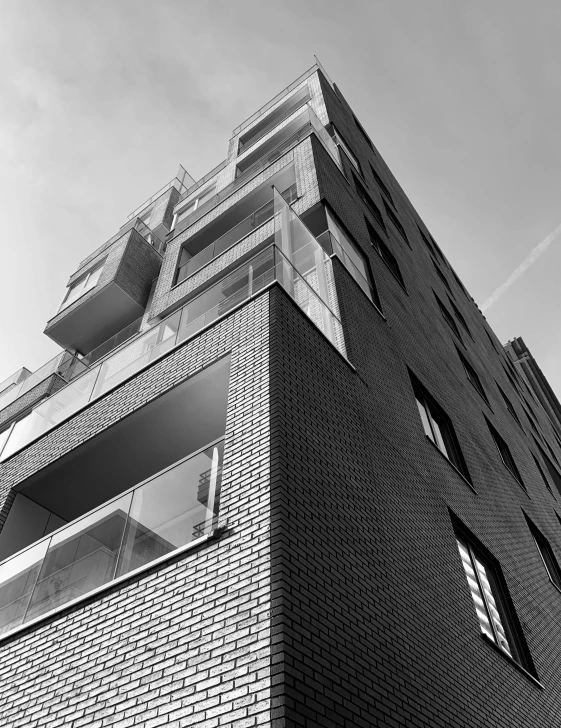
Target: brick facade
column 335, row 595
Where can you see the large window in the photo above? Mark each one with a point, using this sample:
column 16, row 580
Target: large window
column 438, row 428
column 493, row 607
column 83, row 285
column 546, row 553
column 385, row 253
column 506, row 455
column 369, row 202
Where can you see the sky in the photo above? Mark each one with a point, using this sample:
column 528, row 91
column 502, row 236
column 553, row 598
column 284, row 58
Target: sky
column 100, row 101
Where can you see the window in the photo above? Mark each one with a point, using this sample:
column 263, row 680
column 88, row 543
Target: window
column 491, row 341
column 354, row 259
column 381, row 184
column 82, row 285
column 426, row 242
column 192, row 205
column 494, row 609
column 438, row 428
column 364, row 134
column 506, row 456
column 546, row 552
column 369, row 202
column 442, row 277
column 384, row 252
column 552, row 470
column 393, row 217
column 447, row 316
column 540, row 471
column 344, row 147
column 509, row 406
column 459, row 316
column 472, row 376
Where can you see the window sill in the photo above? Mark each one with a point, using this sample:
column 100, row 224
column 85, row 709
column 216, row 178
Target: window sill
column 451, row 464
column 215, row 534
column 512, row 661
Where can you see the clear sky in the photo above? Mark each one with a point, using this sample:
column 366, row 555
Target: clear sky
column 101, row 100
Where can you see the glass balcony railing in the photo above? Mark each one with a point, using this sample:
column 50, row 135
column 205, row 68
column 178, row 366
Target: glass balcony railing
column 308, row 122
column 65, row 365
column 293, row 257
column 234, row 236
column 333, row 247
column 140, row 526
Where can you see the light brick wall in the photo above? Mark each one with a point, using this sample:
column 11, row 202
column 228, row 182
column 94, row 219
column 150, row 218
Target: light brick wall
column 186, row 643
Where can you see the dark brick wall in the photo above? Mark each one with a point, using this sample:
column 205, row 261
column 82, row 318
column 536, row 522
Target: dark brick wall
column 373, row 622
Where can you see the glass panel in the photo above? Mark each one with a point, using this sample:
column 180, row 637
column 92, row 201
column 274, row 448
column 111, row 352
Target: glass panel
column 93, row 277
column 425, row 420
column 206, row 195
column 80, row 558
column 186, row 211
column 492, row 606
column 17, row 579
column 173, row 509
column 473, row 583
column 137, row 354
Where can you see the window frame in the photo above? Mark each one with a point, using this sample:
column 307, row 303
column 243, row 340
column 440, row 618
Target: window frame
column 447, row 316
column 82, row 280
column 396, row 222
column 552, row 568
column 381, row 184
column 369, row 203
column 473, row 377
column 518, row 651
column 388, row 258
column 339, row 139
column 438, row 428
column 512, row 468
column 195, row 201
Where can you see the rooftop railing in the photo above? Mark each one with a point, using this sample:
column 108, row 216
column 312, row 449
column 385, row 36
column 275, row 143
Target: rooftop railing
column 181, row 182
column 293, row 258
column 140, row 526
column 309, row 124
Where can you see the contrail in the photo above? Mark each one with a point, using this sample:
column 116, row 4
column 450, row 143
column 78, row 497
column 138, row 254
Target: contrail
column 522, row 268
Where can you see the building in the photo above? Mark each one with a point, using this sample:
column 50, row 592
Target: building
column 282, row 472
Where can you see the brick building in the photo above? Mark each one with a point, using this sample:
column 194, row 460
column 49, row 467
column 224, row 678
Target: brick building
column 282, row 472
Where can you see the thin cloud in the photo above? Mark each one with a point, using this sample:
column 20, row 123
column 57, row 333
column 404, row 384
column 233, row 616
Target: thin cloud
column 522, row 268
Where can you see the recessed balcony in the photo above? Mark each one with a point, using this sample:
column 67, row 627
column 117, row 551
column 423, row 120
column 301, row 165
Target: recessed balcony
column 109, row 293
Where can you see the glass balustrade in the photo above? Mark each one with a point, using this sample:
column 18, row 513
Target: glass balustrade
column 232, row 237
column 330, row 243
column 294, row 259
column 152, row 520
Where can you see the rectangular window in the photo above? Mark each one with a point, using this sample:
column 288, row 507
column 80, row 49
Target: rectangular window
column 509, row 406
column 546, row 553
column 393, row 217
column 552, row 470
column 540, row 471
column 459, row 316
column 82, row 285
column 384, row 253
column 381, row 184
column 438, row 428
column 506, row 455
column 369, row 202
column 442, row 277
column 493, row 607
column 447, row 316
column 184, row 212
column 354, row 259
column 344, row 147
column 472, row 376
column 364, row 134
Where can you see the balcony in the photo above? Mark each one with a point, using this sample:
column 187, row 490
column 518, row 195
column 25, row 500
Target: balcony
column 52, row 376
column 111, row 293
column 304, row 124
column 141, row 526
column 291, row 257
